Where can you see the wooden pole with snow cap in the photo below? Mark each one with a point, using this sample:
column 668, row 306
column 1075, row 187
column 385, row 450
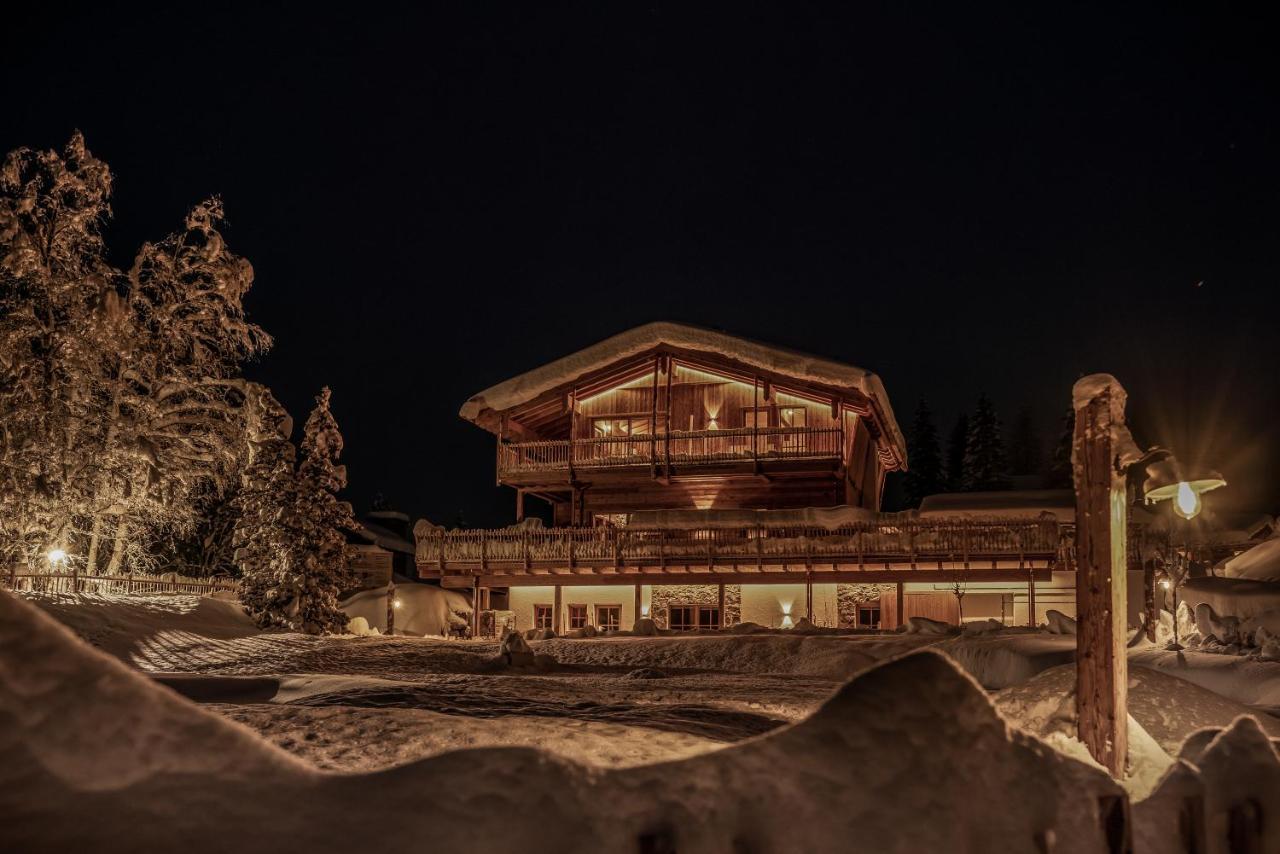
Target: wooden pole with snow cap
column 1102, row 450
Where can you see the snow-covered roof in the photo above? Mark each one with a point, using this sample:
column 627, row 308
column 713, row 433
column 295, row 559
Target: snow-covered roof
column 1011, row 503
column 387, row 539
column 777, row 360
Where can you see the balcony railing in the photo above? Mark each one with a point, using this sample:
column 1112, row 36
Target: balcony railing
column 701, row 447
column 908, row 542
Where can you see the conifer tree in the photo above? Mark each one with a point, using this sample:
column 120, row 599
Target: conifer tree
column 985, row 464
column 1025, row 454
column 1059, row 475
column 322, row 522
column 955, row 453
column 924, row 477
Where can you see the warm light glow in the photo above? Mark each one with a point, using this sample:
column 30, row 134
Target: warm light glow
column 57, row 556
column 395, row 603
column 786, row 622
column 644, row 610
column 1164, row 582
column 1188, row 503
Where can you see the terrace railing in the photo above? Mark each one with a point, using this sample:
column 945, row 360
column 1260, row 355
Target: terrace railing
column 911, row 541
column 701, row 447
column 72, row 583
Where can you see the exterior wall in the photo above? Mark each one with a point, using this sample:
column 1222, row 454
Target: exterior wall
column 768, row 604
column 741, row 493
column 522, row 600
column 850, row 596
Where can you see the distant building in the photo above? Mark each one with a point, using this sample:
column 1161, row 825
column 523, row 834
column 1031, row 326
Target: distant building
column 382, row 545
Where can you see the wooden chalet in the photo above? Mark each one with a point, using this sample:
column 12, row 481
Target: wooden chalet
column 676, row 456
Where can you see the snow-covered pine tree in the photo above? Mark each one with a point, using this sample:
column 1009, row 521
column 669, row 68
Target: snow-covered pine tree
column 956, row 441
column 322, row 522
column 924, row 477
column 1025, row 453
column 985, row 464
column 264, row 546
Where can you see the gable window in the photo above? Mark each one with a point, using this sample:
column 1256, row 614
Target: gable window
column 543, row 617
column 611, row 426
column 577, row 616
column 608, row 617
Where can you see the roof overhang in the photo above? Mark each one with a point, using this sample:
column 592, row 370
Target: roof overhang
column 625, row 355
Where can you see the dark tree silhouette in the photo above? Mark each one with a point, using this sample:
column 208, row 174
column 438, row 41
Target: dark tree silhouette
column 925, row 476
column 985, row 463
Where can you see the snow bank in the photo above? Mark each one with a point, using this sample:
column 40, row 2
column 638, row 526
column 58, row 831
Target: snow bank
column 1253, row 683
column 145, row 770
column 424, row 608
column 1226, row 793
column 789, row 363
column 1260, row 563
column 1237, row 597
column 1010, row 657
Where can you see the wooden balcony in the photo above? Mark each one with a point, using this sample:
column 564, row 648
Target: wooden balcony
column 676, row 450
column 896, row 549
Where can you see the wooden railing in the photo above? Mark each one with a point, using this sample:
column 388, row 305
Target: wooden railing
column 899, row 540
column 699, row 447
column 71, row 583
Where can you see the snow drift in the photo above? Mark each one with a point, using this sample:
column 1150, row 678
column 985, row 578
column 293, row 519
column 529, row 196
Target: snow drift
column 879, row 763
column 424, row 608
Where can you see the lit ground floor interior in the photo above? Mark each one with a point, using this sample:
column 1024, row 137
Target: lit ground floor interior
column 689, row 606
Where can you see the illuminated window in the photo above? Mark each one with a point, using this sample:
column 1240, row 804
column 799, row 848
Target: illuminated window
column 619, row 426
column 608, row 617
column 577, row 616
column 791, row 416
column 543, row 617
column 755, row 416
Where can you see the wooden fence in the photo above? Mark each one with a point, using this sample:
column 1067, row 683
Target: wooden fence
column 71, row 583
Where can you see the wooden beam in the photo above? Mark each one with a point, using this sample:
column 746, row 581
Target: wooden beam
column 902, row 605
column 1100, row 441
column 587, row 576
column 559, row 606
column 639, row 603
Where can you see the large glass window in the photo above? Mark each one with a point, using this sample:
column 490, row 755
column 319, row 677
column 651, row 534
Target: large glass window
column 608, row 617
column 577, row 616
column 791, row 416
column 686, row 618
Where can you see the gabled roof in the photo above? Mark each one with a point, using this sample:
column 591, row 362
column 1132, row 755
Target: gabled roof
column 801, row 367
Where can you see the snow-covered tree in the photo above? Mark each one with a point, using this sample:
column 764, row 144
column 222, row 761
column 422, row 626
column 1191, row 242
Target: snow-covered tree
column 956, row 442
column 59, row 306
column 123, row 408
column 925, row 474
column 985, row 465
column 293, row 547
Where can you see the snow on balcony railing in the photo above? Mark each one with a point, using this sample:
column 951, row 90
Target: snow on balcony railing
column 678, row 448
column 894, row 538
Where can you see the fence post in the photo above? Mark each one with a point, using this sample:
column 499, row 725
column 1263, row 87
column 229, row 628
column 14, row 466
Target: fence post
column 128, row 584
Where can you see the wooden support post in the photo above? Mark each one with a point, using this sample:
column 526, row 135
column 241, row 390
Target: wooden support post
column 1149, row 600
column 556, row 621
column 1100, row 451
column 639, row 604
column 902, row 604
column 1031, row 599
column 519, row 505
column 720, row 601
column 653, row 421
column 391, row 608
column 666, row 422
column 475, row 607
column 808, row 594
column 755, row 424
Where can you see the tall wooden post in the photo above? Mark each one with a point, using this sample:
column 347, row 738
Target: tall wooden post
column 391, row 608
column 1100, row 446
column 475, row 607
column 902, row 604
column 1031, row 598
column 720, row 600
column 639, row 605
column 557, row 623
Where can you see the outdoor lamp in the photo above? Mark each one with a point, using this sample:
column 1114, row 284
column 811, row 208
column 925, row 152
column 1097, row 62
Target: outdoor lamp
column 1165, row 481
column 56, row 556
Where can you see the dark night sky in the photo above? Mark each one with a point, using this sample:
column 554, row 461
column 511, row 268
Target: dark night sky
column 434, row 202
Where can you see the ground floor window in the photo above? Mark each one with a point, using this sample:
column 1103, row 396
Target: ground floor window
column 577, row 616
column 686, row 618
column 608, row 617
column 868, row 616
column 543, row 617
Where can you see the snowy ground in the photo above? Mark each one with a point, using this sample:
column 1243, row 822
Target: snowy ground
column 349, row 703
column 694, row 740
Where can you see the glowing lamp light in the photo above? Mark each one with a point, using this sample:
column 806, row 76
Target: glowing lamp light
column 395, row 603
column 57, row 556
column 1165, row 482
column 644, row 610
column 1164, row 582
column 787, row 622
